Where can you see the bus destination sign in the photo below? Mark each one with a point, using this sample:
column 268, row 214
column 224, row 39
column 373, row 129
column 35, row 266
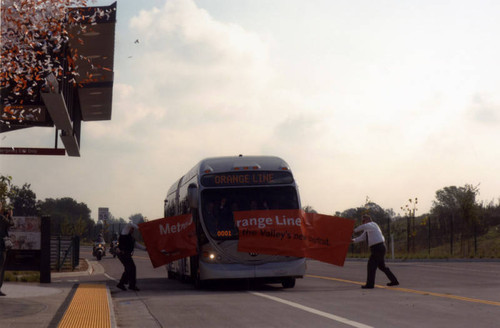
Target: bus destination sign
column 246, row 179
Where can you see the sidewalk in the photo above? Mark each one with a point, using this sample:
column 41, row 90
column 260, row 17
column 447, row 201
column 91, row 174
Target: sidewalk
column 33, row 305
column 41, row 305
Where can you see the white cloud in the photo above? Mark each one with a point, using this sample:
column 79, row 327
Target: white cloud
column 198, row 91
column 187, row 58
column 484, row 111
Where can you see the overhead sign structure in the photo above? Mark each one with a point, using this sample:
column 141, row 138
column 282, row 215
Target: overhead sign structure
column 66, row 75
column 32, row 151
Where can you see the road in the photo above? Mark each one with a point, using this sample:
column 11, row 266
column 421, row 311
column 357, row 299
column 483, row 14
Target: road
column 431, row 294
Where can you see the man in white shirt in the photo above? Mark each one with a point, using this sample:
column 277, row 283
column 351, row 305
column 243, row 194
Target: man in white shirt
column 376, row 241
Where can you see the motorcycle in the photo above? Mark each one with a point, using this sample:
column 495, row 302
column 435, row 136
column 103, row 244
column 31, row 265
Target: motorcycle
column 99, row 250
column 113, row 249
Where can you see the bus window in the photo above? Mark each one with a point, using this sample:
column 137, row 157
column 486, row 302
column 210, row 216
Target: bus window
column 218, row 206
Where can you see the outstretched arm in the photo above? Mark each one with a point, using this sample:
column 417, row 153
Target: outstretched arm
column 140, row 246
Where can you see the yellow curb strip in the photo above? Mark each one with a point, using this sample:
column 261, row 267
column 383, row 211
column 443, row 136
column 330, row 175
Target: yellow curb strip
column 88, row 308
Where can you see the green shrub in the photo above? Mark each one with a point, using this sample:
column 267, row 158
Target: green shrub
column 22, row 276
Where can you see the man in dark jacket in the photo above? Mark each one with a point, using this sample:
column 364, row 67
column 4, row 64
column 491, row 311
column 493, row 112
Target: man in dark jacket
column 126, row 245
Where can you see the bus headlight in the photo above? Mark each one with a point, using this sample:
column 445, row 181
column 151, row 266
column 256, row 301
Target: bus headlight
column 210, row 256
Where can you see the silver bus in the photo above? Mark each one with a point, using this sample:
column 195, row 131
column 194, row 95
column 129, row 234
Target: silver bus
column 211, row 191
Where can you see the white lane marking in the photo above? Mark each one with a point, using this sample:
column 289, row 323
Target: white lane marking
column 314, row 311
column 109, row 277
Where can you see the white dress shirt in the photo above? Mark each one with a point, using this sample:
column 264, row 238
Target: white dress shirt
column 373, row 231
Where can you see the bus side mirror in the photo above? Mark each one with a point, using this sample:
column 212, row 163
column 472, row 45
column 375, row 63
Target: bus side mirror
column 193, row 196
column 165, row 205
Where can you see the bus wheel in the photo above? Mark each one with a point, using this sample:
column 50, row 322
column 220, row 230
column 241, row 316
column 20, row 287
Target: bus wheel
column 198, row 283
column 288, row 282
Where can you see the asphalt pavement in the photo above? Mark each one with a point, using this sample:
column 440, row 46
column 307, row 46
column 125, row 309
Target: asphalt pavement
column 437, row 294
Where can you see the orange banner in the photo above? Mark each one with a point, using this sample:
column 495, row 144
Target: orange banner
column 294, row 233
column 169, row 239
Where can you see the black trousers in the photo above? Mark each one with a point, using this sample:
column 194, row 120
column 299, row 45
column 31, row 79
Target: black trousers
column 377, row 260
column 129, row 275
column 3, row 258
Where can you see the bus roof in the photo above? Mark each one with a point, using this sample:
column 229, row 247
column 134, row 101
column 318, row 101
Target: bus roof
column 232, row 164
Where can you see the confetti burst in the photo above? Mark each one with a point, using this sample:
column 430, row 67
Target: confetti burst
column 35, row 36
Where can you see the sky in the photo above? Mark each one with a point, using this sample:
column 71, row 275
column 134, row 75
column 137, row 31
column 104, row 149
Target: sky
column 385, row 100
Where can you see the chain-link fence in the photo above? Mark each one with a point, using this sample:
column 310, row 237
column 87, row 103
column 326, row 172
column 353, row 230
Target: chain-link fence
column 428, row 237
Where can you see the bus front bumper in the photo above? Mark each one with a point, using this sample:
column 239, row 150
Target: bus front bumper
column 294, row 268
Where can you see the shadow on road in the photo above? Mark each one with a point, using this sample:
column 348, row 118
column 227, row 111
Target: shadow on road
column 164, row 286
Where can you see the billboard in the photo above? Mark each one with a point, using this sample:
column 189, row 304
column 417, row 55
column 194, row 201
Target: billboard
column 26, row 232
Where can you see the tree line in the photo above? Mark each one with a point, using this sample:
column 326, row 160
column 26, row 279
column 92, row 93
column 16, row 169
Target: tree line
column 458, row 225
column 455, row 225
column 67, row 216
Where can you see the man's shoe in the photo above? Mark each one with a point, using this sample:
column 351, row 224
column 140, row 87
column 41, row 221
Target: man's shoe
column 367, row 287
column 2, row 294
column 393, row 283
column 121, row 286
column 134, row 288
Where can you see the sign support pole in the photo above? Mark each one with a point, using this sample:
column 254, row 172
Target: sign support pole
column 45, row 250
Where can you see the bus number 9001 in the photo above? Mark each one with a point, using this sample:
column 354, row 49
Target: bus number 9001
column 224, row 233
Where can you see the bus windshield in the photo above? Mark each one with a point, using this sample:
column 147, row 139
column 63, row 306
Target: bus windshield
column 218, row 206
